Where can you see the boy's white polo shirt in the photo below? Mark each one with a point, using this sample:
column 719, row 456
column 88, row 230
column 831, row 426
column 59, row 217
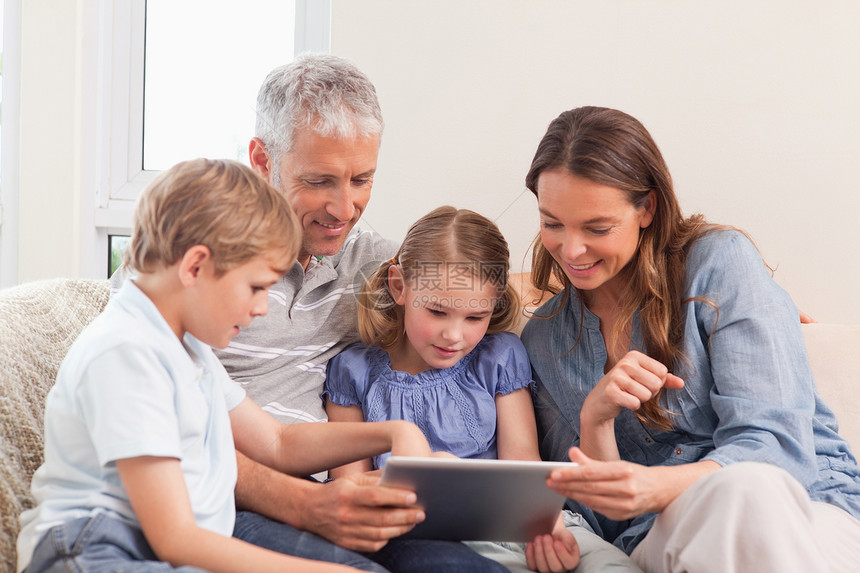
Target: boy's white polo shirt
column 127, row 388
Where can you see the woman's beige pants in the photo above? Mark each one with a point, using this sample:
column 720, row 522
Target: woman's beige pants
column 750, row 517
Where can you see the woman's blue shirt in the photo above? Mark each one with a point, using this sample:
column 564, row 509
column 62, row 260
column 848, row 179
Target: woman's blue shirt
column 749, row 394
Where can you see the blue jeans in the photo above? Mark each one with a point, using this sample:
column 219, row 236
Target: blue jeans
column 432, row 556
column 97, row 544
column 398, row 555
column 286, row 539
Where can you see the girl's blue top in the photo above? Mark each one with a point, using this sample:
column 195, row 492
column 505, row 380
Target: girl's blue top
column 749, row 394
column 454, row 407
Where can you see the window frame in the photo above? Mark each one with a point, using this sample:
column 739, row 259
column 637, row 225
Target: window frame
column 117, row 81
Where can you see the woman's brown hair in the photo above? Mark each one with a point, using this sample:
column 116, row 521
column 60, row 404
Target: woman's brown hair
column 612, row 148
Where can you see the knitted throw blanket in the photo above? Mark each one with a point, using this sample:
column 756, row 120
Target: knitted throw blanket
column 38, row 323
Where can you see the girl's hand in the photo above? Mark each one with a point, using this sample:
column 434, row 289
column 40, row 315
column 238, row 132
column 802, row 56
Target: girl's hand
column 554, row 553
column 634, row 379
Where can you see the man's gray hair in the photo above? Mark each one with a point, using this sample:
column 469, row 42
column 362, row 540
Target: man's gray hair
column 321, row 91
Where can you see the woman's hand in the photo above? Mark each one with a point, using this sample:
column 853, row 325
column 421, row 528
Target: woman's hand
column 558, row 552
column 634, row 379
column 617, row 489
column 622, row 490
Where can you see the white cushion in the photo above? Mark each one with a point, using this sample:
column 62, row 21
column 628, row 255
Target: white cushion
column 834, row 355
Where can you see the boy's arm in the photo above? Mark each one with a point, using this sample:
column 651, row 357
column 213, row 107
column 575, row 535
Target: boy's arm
column 158, row 495
column 354, row 512
column 304, row 449
column 338, row 413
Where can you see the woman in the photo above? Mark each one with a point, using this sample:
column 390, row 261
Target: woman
column 670, row 353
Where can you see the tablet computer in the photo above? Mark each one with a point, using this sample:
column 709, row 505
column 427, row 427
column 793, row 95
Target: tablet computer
column 478, row 499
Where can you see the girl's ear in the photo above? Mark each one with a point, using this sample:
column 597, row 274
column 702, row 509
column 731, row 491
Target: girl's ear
column 192, row 264
column 397, row 284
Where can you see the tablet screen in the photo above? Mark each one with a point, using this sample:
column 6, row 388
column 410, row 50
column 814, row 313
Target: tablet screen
column 478, row 499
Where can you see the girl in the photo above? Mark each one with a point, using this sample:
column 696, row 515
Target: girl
column 435, row 352
column 672, row 368
column 421, row 315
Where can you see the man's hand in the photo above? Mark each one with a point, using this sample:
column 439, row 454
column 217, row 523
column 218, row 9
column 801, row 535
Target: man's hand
column 357, row 513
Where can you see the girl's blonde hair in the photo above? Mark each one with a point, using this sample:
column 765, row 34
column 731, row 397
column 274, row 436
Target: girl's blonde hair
column 446, row 239
column 221, row 204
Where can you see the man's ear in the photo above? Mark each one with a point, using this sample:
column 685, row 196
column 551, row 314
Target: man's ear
column 259, row 157
column 192, row 264
column 396, row 284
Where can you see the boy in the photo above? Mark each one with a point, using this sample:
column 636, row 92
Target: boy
column 139, row 445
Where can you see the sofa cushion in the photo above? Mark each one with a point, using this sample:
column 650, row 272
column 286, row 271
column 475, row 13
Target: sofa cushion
column 834, row 355
column 38, row 323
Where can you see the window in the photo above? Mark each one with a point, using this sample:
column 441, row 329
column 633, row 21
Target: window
column 199, row 95
column 182, row 83
column 116, row 246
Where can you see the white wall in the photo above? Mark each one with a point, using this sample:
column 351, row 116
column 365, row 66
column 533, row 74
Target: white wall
column 49, row 215
column 754, row 104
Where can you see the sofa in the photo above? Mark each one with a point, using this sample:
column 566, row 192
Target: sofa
column 41, row 319
column 38, row 323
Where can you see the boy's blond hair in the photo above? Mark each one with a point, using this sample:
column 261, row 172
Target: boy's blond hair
column 221, row 204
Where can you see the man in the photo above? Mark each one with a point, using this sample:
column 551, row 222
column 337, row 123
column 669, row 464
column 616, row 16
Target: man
column 317, row 140
column 318, row 144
